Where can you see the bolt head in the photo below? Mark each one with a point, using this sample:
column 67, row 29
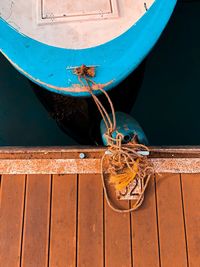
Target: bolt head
column 81, row 155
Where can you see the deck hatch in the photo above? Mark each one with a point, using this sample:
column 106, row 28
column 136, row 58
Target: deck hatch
column 62, row 10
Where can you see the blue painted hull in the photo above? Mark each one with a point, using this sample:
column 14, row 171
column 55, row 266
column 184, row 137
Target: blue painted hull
column 47, row 65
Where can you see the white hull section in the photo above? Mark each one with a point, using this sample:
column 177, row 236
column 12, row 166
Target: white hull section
column 75, row 24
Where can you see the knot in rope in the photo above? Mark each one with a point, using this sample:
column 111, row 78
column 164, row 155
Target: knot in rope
column 84, row 71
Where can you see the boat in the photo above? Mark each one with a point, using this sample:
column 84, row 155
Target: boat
column 47, row 41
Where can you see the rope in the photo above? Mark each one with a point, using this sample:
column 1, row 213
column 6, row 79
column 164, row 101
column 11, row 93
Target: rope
column 123, row 159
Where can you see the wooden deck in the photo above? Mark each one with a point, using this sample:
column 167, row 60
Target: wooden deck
column 53, row 212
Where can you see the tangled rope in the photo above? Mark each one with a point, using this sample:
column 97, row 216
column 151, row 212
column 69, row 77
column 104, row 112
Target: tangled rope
column 125, row 161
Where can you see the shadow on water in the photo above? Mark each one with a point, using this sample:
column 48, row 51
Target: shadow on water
column 80, row 117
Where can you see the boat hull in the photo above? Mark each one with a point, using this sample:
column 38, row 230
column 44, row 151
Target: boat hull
column 51, row 67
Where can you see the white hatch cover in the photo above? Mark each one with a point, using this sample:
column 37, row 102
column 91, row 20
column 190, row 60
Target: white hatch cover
column 73, row 23
column 77, row 10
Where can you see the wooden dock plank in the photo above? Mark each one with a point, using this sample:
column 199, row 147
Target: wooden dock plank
column 36, row 222
column 11, row 219
column 191, row 200
column 144, row 231
column 117, row 235
column 90, row 221
column 35, row 229
column 63, row 221
column 173, row 249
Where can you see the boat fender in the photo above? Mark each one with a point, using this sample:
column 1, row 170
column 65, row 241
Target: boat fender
column 127, row 126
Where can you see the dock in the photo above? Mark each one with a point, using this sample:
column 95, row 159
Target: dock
column 53, row 212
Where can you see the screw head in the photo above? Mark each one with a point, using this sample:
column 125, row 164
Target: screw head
column 81, row 155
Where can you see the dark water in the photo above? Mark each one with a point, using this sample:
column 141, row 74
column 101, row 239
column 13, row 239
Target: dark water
column 167, row 105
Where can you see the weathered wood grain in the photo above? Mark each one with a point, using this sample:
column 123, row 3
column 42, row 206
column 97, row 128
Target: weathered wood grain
column 90, row 222
column 36, row 222
column 63, row 221
column 117, row 234
column 11, row 219
column 145, row 240
column 173, row 250
column 191, row 200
